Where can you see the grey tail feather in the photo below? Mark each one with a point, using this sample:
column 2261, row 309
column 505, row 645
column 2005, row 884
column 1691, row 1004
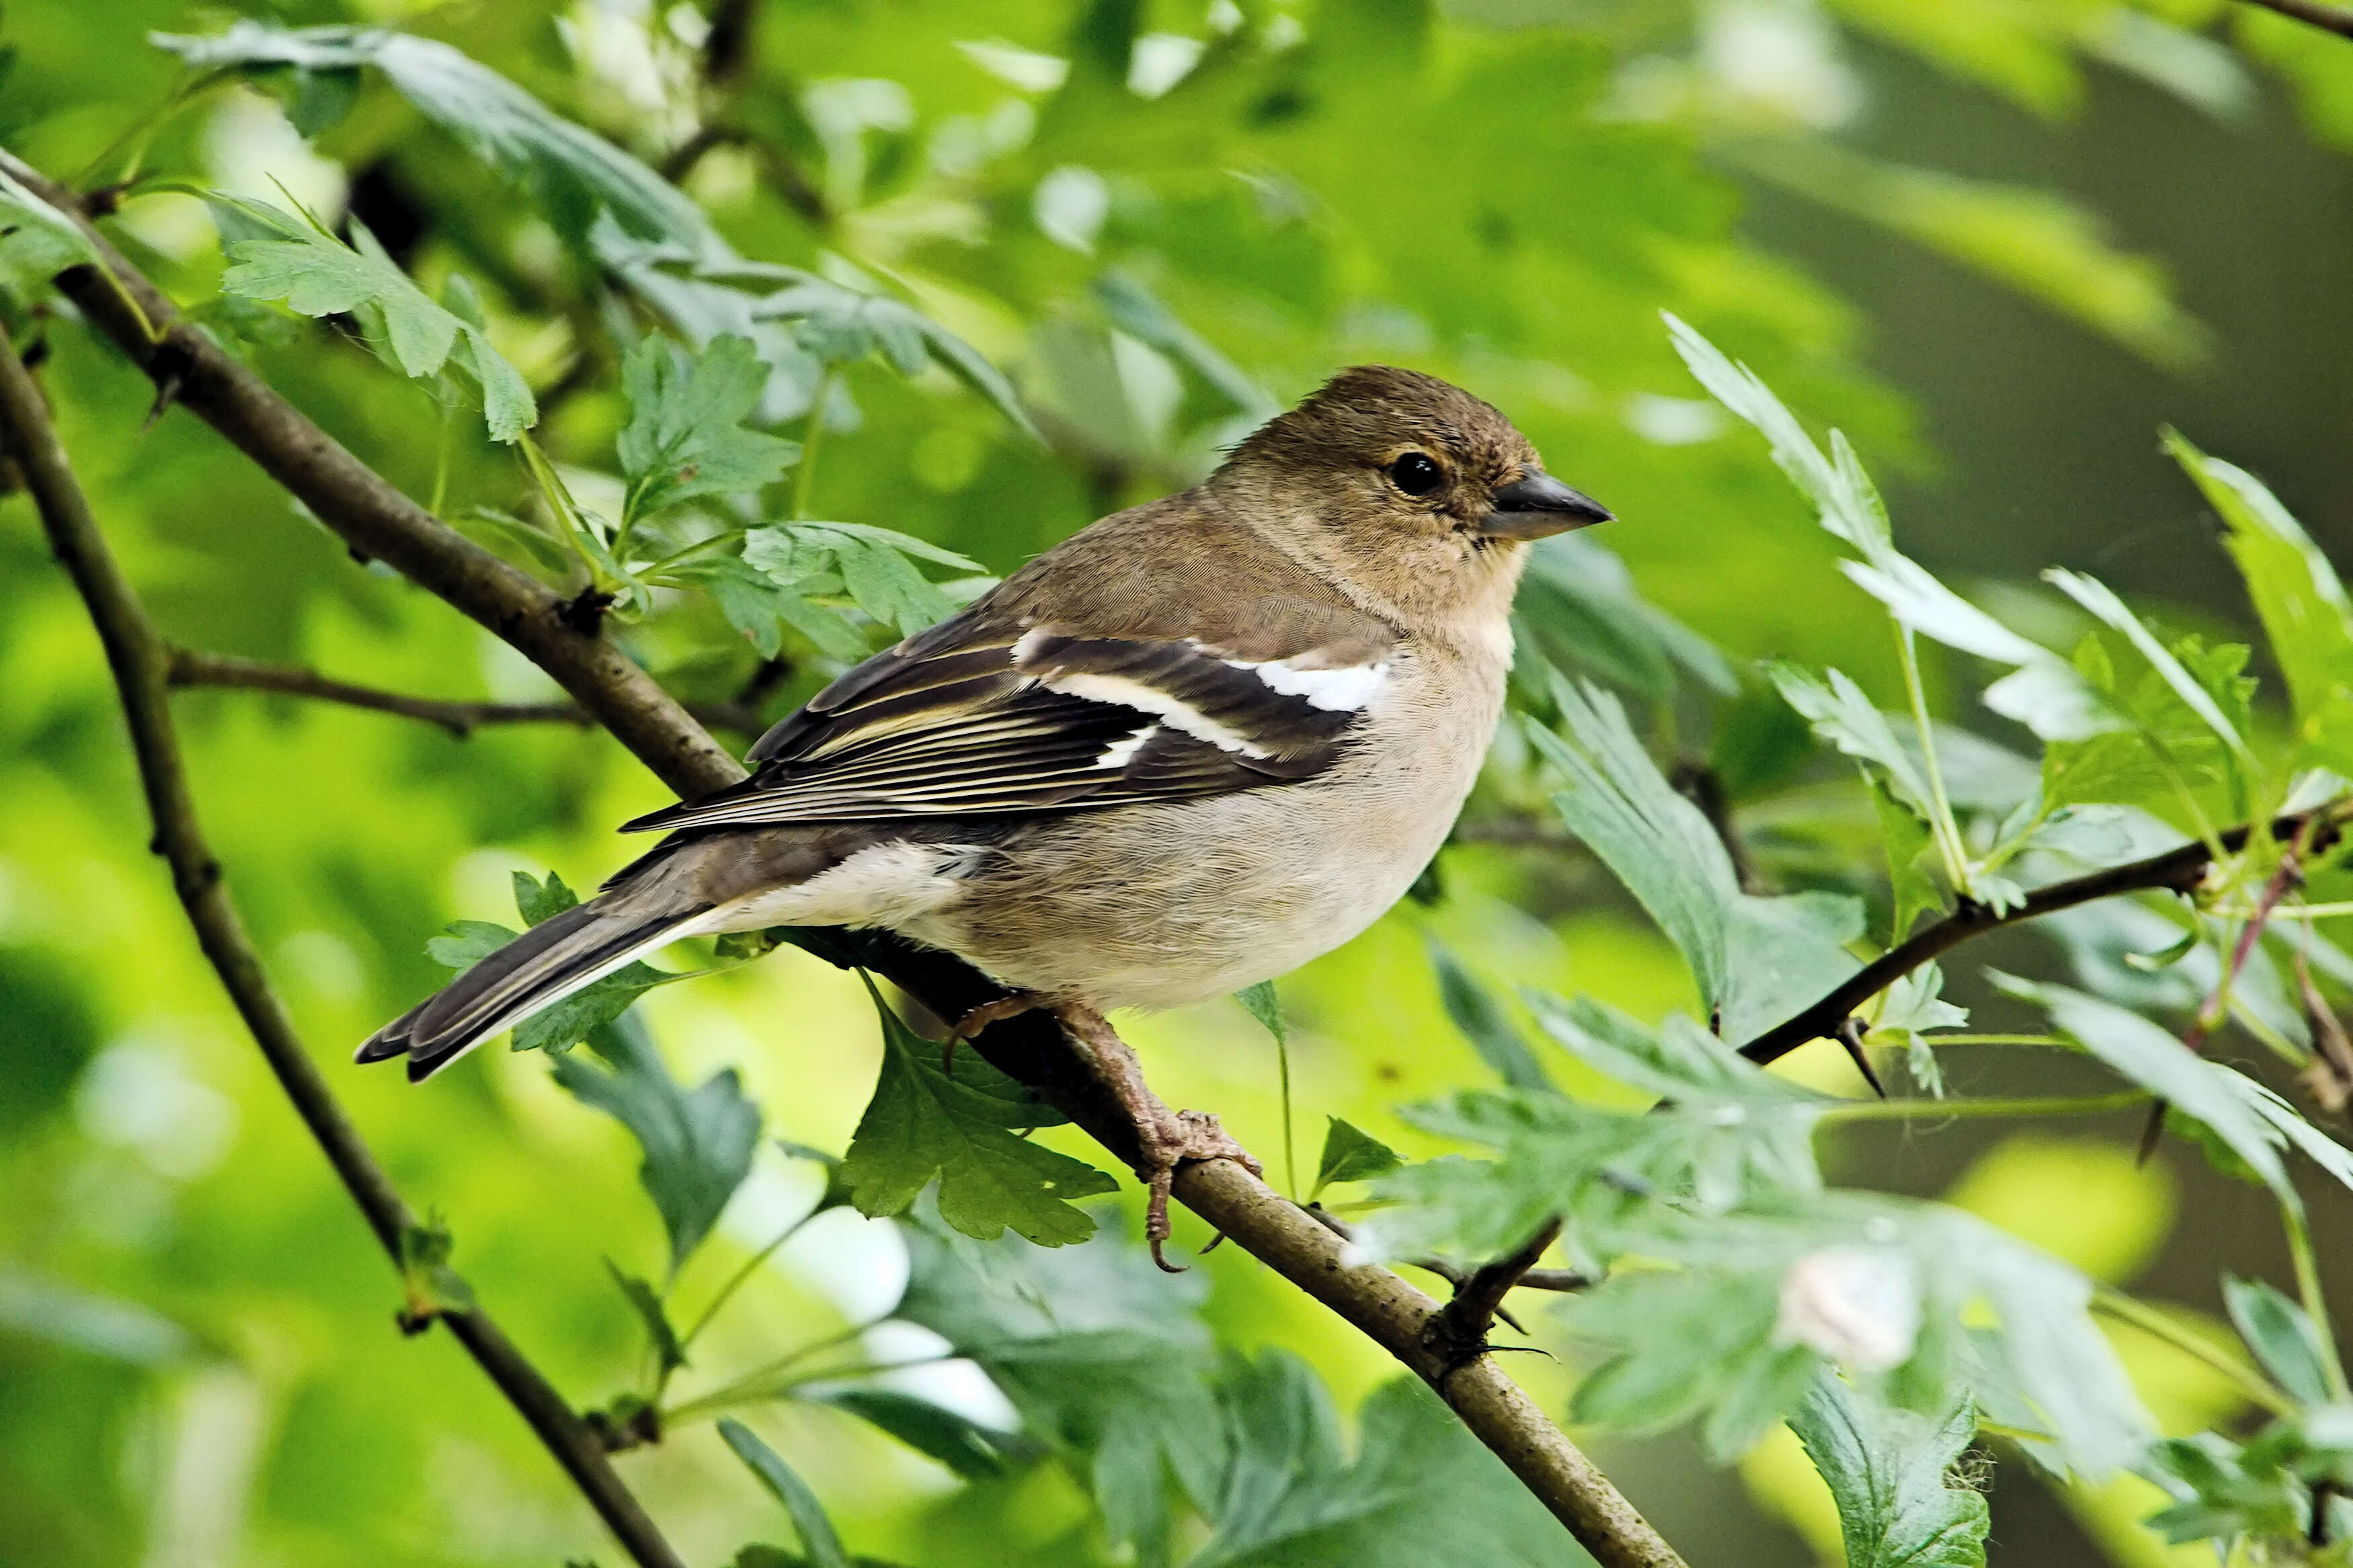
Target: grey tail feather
column 533, row 972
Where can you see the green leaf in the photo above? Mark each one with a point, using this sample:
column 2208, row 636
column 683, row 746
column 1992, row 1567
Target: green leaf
column 1483, row 1021
column 964, row 1446
column 1421, row 1492
column 1935, row 1298
column 923, row 1126
column 2148, row 1056
column 570, row 170
column 118, row 1329
column 2098, row 599
column 1912, row 1007
column 1905, row 835
column 1890, row 1471
column 872, row 562
column 686, row 436
column 1841, row 715
column 1350, row 1155
column 647, row 1303
column 1726, row 1133
column 2044, row 245
column 1261, row 1003
column 570, row 1021
column 2041, row 693
column 467, row 942
column 1137, row 311
column 698, row 1145
column 2297, row 593
column 818, row 1537
column 2282, row 1336
column 316, row 275
column 36, row 240
column 1756, row 961
column 838, row 324
column 1105, row 1357
column 427, row 1281
column 1581, row 610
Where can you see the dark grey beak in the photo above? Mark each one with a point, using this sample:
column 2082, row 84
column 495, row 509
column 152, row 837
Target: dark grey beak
column 1537, row 505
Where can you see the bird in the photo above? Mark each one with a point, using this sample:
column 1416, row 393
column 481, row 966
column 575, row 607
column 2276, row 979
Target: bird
column 1191, row 747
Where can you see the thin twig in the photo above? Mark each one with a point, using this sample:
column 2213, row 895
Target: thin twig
column 139, row 660
column 188, row 667
column 193, row 667
column 2178, row 869
column 366, row 511
column 2312, row 12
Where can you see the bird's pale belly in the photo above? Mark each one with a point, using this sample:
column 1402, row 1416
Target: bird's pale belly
column 1162, row 906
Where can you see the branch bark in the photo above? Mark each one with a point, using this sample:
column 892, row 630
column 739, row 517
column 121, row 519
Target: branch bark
column 368, row 513
column 2178, row 869
column 140, row 661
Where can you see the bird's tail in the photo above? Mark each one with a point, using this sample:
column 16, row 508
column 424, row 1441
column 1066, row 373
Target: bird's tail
column 532, row 973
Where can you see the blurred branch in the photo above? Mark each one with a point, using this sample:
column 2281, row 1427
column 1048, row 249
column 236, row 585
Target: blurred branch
column 2312, row 12
column 726, row 59
column 189, row 667
column 2177, row 870
column 140, row 660
column 366, row 511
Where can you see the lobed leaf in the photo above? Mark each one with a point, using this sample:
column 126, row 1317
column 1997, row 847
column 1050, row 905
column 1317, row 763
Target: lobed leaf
column 1890, row 1472
column 923, row 1125
column 698, row 1144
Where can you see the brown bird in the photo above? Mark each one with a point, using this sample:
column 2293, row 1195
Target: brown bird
column 1187, row 750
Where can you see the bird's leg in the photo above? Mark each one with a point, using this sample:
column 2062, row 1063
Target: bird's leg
column 1165, row 1138
column 981, row 1017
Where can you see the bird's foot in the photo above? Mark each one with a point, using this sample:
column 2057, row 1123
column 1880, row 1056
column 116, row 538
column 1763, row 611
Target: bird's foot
column 981, row 1017
column 1165, row 1138
column 1187, row 1136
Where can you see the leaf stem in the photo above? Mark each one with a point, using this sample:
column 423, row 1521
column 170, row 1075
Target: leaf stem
column 2061, row 1043
column 2022, row 1105
column 736, row 1280
column 2157, row 1325
column 675, row 557
column 1948, row 833
column 2315, row 1305
column 559, row 501
column 805, row 477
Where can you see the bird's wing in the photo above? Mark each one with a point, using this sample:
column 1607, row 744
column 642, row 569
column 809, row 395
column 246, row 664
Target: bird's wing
column 993, row 713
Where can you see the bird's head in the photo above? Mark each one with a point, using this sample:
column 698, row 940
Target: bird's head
column 1408, row 485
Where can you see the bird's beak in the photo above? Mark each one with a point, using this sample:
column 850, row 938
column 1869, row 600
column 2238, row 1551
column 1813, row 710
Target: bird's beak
column 1537, row 505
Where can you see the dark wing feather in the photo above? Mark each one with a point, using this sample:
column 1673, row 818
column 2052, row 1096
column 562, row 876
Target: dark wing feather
column 985, row 715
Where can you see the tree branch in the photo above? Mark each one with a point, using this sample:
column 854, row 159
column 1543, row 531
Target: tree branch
column 2177, row 869
column 363, row 509
column 192, row 667
column 1464, row 1325
column 140, row 660
column 2312, row 12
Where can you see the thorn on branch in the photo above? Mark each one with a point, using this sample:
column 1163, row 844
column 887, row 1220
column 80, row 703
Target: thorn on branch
column 168, row 368
column 585, row 611
column 1850, row 1035
column 1458, row 1332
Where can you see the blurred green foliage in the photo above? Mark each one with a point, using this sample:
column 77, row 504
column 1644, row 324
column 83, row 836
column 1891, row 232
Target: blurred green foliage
column 772, row 315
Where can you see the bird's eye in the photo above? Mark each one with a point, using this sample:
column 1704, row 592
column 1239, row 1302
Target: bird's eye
column 1417, row 474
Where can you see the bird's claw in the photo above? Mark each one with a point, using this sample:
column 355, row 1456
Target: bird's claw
column 1189, row 1135
column 981, row 1017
